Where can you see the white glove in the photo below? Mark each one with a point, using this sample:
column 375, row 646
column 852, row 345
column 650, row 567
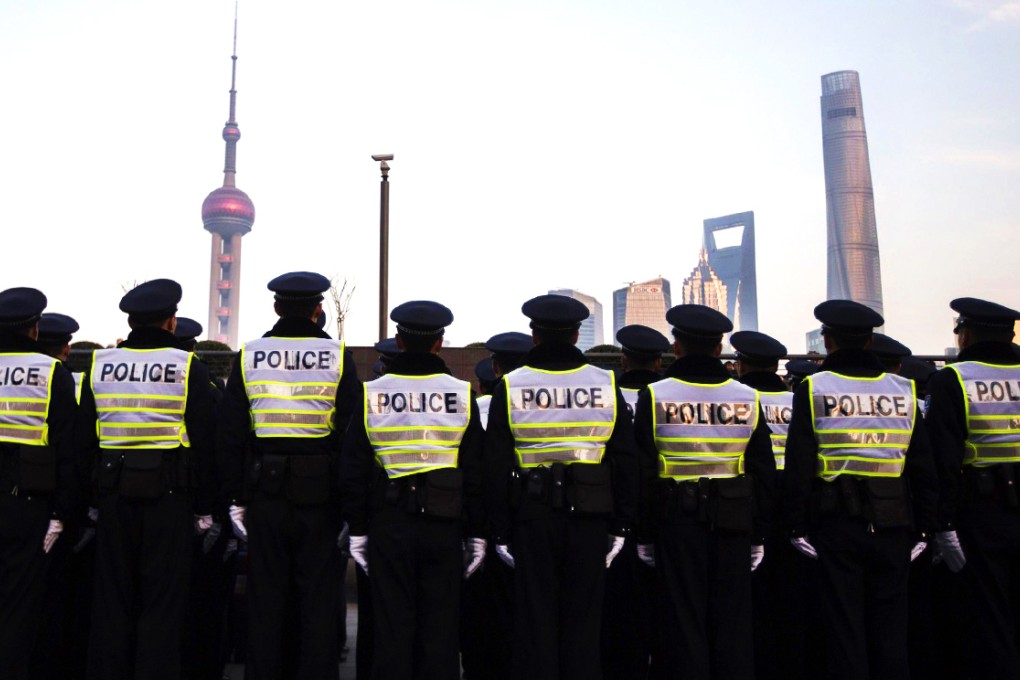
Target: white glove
column 504, row 554
column 757, row 555
column 952, row 553
column 94, row 514
column 237, row 520
column 646, row 553
column 359, row 551
column 202, row 524
column 476, row 549
column 614, row 549
column 918, row 549
column 52, row 534
column 801, row 544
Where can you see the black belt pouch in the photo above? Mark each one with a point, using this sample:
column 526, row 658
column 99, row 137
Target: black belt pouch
column 590, row 490
column 442, row 493
column 108, row 472
column 141, row 474
column 733, row 506
column 273, row 474
column 37, row 469
column 308, row 480
column 887, row 502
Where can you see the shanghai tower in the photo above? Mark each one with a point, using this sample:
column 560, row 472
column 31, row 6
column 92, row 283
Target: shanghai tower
column 854, row 272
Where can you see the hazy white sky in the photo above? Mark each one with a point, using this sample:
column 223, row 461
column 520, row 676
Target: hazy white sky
column 539, row 144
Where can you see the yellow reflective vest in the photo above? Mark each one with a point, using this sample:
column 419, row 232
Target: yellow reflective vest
column 415, row 423
column 777, row 407
column 702, row 430
column 141, row 396
column 560, row 416
column 992, row 405
column 291, row 385
column 862, row 425
column 26, row 380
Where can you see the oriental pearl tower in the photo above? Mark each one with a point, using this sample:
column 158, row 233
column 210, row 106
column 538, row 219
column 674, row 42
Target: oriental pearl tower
column 227, row 214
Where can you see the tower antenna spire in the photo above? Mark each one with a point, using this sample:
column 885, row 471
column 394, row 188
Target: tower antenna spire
column 231, row 132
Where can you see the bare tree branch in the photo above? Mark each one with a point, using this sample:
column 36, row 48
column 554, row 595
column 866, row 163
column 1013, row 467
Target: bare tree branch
column 341, row 292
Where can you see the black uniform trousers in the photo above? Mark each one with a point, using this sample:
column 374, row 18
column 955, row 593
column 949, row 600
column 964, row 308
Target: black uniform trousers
column 51, row 655
column 23, row 524
column 862, row 587
column 626, row 616
column 212, row 581
column 143, row 560
column 486, row 622
column 990, row 537
column 560, row 567
column 366, row 626
column 706, row 579
column 292, row 546
column 415, row 565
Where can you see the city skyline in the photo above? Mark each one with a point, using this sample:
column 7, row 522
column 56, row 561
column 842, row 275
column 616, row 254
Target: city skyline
column 589, row 159
column 729, row 242
column 592, row 331
column 642, row 303
column 705, row 287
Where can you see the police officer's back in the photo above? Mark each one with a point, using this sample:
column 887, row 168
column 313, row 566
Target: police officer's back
column 974, row 421
column 707, row 464
column 859, row 494
column 412, row 480
column 562, row 485
column 145, row 425
column 37, row 484
column 288, row 401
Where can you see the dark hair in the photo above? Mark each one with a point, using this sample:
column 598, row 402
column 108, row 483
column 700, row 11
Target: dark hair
column 753, row 365
column 419, row 343
column 299, row 308
column 147, row 321
column 550, row 336
column 640, row 362
column 697, row 344
column 847, row 340
column 989, row 334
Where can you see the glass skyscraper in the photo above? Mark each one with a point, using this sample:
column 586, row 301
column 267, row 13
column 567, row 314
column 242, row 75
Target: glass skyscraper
column 854, row 272
column 642, row 303
column 590, row 333
column 729, row 243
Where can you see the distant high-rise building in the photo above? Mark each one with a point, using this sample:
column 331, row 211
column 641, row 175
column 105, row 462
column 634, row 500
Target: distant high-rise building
column 591, row 332
column 814, row 341
column 704, row 287
column 644, row 303
column 228, row 214
column 854, row 271
column 729, row 241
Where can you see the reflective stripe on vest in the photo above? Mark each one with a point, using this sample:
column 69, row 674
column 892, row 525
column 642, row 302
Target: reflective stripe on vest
column 862, row 425
column 992, row 405
column 560, row 416
column 25, row 390
column 483, row 409
column 77, row 385
column 630, row 396
column 702, row 430
column 141, row 395
column 777, row 407
column 291, row 385
column 416, row 423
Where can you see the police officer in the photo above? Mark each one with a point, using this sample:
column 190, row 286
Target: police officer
column 486, row 381
column 707, row 461
column 627, row 631
column 487, row 599
column 561, row 479
column 890, row 352
column 146, row 425
column 860, row 494
column 288, row 401
column 973, row 415
column 37, row 483
column 797, row 370
column 411, row 471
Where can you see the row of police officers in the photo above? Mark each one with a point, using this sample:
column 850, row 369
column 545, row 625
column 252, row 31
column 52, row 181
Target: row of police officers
column 613, row 522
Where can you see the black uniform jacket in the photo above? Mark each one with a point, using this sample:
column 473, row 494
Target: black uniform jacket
column 500, row 458
column 946, row 422
column 363, row 480
column 199, row 417
column 764, row 381
column 759, row 463
column 60, row 422
column 802, row 450
column 638, row 379
column 236, row 437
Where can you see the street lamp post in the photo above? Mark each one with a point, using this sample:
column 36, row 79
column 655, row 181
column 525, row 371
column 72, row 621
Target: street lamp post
column 384, row 241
